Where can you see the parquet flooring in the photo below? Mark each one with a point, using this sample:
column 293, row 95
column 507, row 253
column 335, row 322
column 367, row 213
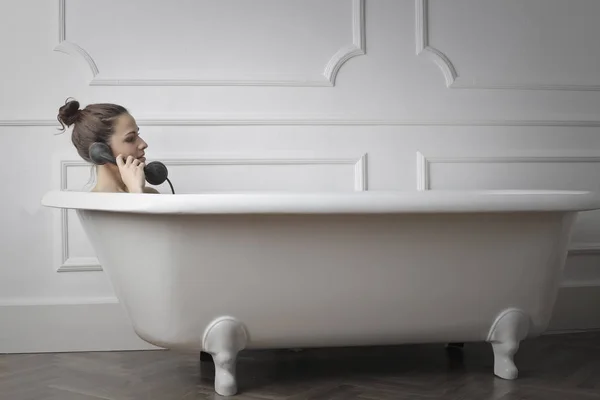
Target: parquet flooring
column 554, row 367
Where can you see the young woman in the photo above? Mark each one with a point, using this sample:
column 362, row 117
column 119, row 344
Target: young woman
column 113, row 125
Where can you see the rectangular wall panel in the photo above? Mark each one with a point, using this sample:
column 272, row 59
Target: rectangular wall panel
column 575, row 171
column 210, row 174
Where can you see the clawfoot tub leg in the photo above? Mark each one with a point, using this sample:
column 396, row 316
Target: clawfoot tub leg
column 509, row 329
column 224, row 338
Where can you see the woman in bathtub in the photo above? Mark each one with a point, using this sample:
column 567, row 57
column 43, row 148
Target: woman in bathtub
column 113, row 125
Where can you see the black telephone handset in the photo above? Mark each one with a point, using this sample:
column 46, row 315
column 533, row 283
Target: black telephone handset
column 156, row 172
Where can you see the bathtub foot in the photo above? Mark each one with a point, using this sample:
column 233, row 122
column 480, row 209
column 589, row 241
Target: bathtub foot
column 509, row 329
column 224, row 338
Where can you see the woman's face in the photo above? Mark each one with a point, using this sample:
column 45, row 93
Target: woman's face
column 126, row 139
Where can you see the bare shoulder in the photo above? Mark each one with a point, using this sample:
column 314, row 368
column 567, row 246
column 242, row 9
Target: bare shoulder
column 151, row 190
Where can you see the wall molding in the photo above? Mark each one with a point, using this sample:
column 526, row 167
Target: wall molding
column 585, row 249
column 65, row 325
column 357, row 48
column 453, row 79
column 423, row 47
column 68, row 263
column 424, row 162
column 275, row 120
column 326, row 79
column 423, row 177
column 70, row 48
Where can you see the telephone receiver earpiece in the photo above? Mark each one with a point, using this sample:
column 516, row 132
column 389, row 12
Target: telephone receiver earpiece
column 156, row 172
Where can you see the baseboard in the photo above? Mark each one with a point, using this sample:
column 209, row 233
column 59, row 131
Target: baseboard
column 577, row 309
column 41, row 328
column 104, row 326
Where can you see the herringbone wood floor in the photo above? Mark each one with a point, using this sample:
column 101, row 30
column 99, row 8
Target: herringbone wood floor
column 565, row 367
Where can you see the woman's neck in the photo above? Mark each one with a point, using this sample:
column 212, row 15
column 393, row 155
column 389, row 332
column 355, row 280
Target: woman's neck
column 109, row 179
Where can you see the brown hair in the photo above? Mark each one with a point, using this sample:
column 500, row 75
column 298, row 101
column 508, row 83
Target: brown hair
column 95, row 123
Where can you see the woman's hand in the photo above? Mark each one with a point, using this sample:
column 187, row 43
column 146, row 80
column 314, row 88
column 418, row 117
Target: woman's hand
column 132, row 173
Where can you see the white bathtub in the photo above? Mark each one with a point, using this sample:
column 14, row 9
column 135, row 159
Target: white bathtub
column 226, row 272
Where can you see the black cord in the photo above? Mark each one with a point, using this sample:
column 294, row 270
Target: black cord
column 171, row 186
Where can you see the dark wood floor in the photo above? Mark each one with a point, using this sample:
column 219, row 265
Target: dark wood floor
column 565, row 367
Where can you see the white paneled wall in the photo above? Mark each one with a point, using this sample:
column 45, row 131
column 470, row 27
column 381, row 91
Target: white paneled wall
column 235, row 44
column 296, row 95
column 533, row 44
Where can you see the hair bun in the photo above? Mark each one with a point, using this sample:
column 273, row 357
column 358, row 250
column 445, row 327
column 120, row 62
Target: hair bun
column 69, row 113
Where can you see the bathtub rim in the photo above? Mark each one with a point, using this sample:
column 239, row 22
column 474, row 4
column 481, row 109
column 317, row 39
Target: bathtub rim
column 367, row 202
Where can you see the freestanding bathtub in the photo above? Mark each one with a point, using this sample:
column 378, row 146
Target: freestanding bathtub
column 222, row 272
